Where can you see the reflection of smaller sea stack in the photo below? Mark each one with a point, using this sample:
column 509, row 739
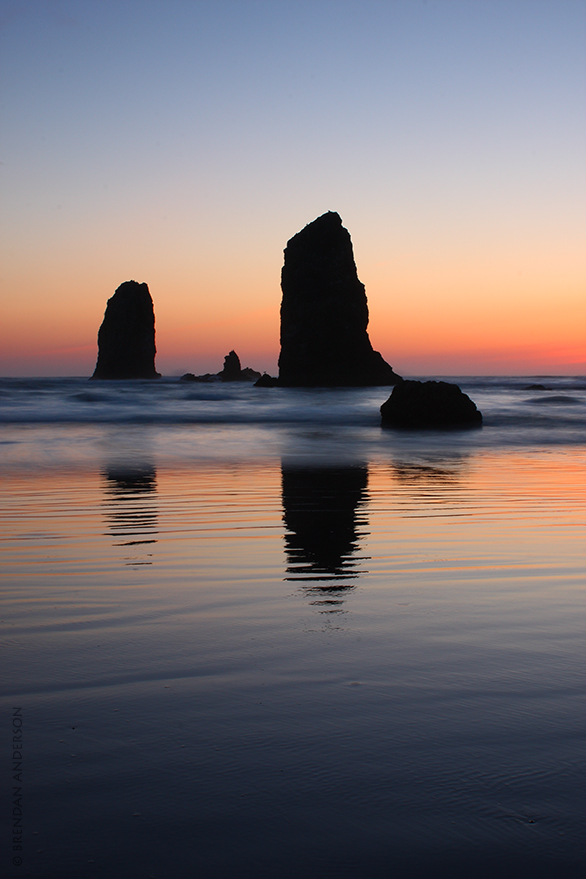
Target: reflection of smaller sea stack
column 126, row 339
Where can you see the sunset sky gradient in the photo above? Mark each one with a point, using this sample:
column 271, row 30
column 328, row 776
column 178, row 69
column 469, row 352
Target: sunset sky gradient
column 181, row 144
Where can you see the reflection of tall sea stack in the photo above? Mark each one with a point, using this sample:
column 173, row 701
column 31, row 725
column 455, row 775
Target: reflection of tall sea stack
column 126, row 339
column 324, row 315
column 323, row 515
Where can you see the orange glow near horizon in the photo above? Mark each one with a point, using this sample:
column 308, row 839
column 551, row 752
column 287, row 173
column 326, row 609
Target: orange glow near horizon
column 417, row 334
column 436, row 313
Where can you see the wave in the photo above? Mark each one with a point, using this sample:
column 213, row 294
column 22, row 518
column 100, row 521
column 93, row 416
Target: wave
column 557, row 407
column 556, row 400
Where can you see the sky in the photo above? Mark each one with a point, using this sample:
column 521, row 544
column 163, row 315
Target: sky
column 182, row 143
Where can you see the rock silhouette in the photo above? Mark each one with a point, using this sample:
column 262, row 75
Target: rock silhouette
column 232, row 368
column 415, row 404
column 324, row 313
column 266, row 381
column 126, row 338
column 231, row 372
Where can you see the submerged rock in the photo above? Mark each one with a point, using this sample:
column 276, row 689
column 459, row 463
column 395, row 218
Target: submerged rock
column 429, row 404
column 126, row 338
column 208, row 377
column 266, row 381
column 324, row 313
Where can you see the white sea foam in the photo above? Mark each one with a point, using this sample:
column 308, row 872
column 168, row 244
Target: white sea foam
column 556, row 414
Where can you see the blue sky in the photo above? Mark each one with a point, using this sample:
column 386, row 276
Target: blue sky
column 182, row 143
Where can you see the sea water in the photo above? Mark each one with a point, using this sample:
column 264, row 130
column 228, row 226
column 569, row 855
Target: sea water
column 249, row 632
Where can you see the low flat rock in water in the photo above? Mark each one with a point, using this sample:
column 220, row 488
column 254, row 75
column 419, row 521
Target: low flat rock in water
column 416, row 404
column 266, row 381
column 207, row 377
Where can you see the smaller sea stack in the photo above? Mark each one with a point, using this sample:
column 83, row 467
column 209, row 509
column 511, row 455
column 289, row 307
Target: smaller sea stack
column 233, row 372
column 126, row 338
column 415, row 404
column 232, row 368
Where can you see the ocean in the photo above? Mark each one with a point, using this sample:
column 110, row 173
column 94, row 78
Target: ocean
column 249, row 632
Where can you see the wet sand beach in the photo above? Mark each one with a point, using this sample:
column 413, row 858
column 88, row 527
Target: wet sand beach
column 296, row 647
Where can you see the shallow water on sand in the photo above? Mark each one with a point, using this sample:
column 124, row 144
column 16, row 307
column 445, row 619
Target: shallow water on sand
column 361, row 664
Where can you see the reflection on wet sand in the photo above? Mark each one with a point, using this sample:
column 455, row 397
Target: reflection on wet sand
column 431, row 481
column 130, row 508
column 323, row 512
column 446, row 471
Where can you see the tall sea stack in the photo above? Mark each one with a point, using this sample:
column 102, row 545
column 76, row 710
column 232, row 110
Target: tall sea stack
column 126, row 339
column 324, row 314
